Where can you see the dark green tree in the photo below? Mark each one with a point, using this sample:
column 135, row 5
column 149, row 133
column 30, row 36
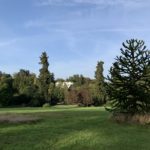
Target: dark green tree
column 57, row 94
column 100, row 92
column 26, row 90
column 6, row 90
column 45, row 78
column 23, row 80
column 128, row 85
column 84, row 96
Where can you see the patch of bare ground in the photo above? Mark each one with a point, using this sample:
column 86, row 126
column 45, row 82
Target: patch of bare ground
column 15, row 118
column 129, row 118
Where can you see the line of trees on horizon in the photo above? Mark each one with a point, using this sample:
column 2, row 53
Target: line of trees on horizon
column 126, row 89
column 26, row 89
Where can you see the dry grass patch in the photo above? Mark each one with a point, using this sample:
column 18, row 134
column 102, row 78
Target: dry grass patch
column 128, row 118
column 16, row 118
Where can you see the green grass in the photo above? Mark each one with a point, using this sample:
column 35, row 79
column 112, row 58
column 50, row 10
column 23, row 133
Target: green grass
column 71, row 128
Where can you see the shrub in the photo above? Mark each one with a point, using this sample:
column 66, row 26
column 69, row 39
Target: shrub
column 46, row 105
column 128, row 118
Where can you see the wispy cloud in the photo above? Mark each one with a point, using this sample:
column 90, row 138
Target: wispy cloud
column 127, row 3
column 34, row 23
column 78, row 26
column 8, row 42
column 111, row 2
column 54, row 2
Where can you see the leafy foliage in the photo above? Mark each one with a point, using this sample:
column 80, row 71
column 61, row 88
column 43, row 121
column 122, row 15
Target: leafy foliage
column 25, row 89
column 6, row 90
column 79, row 80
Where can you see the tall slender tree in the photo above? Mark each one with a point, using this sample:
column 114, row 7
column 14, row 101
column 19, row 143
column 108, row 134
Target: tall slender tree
column 45, row 77
column 129, row 86
column 100, row 95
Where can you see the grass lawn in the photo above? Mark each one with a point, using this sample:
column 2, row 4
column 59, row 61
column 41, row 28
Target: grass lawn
column 71, row 128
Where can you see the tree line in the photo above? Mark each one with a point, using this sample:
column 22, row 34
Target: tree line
column 126, row 88
column 26, row 89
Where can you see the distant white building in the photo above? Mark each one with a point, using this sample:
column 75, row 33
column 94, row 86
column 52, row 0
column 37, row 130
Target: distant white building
column 64, row 84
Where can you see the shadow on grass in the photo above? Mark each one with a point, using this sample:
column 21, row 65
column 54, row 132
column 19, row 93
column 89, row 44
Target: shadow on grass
column 75, row 130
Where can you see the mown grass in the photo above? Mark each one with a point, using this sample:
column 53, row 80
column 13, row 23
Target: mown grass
column 71, row 128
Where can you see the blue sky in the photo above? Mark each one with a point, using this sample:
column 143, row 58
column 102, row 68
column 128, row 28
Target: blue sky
column 75, row 33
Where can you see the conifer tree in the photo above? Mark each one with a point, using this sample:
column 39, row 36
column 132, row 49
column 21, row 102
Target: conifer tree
column 100, row 95
column 129, row 83
column 45, row 77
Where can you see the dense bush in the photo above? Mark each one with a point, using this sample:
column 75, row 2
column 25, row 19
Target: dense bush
column 79, row 95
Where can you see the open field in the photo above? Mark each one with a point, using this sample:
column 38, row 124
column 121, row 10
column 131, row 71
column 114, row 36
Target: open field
column 70, row 128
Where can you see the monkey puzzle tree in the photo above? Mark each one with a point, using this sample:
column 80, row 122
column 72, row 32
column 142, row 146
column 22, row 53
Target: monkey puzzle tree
column 129, row 83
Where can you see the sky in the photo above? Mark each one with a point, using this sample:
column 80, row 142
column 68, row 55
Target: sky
column 76, row 34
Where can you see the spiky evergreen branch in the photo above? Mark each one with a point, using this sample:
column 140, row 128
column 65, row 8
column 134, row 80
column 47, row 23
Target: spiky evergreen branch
column 129, row 86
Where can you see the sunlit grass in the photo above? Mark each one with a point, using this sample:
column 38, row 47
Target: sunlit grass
column 71, row 128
